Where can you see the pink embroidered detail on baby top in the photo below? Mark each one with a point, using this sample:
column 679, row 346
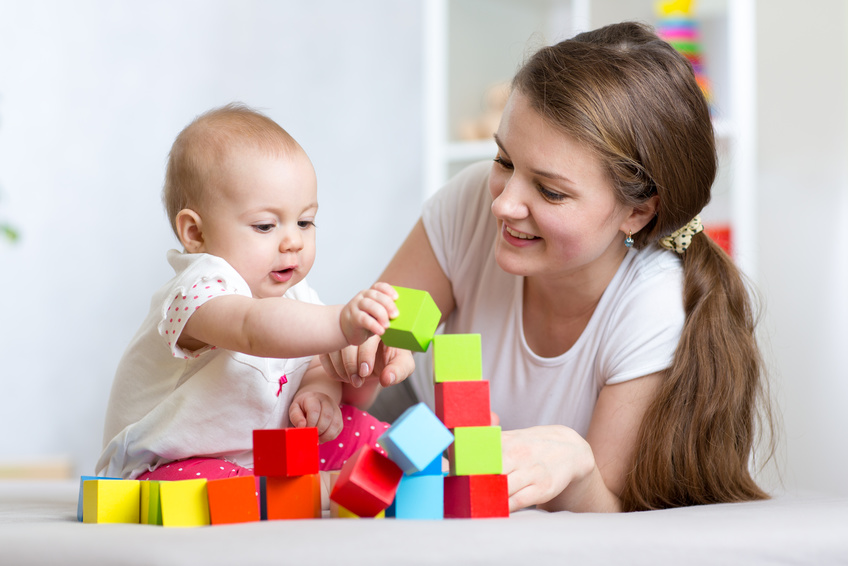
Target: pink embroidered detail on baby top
column 283, row 381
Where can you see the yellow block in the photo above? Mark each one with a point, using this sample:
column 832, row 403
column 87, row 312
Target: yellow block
column 111, row 501
column 185, row 503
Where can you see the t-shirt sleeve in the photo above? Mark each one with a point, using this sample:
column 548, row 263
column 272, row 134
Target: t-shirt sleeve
column 644, row 331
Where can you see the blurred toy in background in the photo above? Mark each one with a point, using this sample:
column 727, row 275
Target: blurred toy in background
column 485, row 125
column 678, row 26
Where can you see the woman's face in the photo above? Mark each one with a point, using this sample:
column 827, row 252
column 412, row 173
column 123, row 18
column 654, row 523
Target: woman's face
column 555, row 208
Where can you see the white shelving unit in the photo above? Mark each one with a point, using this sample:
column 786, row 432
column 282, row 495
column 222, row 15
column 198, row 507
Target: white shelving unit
column 471, row 45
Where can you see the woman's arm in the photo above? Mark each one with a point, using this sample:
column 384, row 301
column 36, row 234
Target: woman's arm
column 415, row 266
column 555, row 468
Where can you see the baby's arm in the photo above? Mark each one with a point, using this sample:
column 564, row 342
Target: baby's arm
column 316, row 403
column 285, row 328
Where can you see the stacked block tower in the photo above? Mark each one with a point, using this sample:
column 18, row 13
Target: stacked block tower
column 475, row 486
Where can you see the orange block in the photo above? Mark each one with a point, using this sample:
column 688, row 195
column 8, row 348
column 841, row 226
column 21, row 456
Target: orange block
column 297, row 497
column 233, row 500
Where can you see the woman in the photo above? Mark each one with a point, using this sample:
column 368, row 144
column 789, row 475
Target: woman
column 618, row 339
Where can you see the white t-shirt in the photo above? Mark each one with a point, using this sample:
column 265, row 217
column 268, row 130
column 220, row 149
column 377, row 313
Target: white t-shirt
column 169, row 404
column 633, row 332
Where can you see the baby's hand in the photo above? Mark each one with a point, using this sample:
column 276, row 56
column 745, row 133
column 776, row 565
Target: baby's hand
column 368, row 313
column 316, row 409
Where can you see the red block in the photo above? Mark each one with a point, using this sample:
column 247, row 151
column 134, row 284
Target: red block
column 463, row 403
column 474, row 497
column 233, row 500
column 367, row 483
column 296, row 497
column 285, row 452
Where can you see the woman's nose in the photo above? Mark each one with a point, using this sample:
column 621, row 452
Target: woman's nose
column 511, row 202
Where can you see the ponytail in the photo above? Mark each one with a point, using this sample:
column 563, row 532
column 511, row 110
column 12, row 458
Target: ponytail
column 697, row 436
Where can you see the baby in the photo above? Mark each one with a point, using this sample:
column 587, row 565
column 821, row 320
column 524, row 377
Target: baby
column 231, row 342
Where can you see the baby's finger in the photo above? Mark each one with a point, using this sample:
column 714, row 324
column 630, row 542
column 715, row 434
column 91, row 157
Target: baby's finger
column 296, row 416
column 311, row 410
column 386, row 289
column 386, row 301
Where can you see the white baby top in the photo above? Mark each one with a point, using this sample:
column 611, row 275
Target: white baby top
column 633, row 332
column 169, row 404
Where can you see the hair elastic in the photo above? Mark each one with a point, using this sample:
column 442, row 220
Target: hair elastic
column 680, row 239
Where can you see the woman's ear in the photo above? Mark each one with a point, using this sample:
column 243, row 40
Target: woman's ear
column 189, row 229
column 641, row 215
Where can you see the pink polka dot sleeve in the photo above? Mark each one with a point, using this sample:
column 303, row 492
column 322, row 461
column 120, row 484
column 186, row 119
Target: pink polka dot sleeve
column 183, row 303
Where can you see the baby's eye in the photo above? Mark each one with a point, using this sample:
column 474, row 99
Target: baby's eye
column 263, row 228
column 305, row 223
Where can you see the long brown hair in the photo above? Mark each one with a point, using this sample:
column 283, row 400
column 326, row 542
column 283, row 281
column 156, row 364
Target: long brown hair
column 633, row 100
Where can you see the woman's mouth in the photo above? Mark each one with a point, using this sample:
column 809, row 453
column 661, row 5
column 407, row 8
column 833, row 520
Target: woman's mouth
column 517, row 238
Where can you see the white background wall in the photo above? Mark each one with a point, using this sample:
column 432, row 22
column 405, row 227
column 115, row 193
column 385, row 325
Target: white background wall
column 93, row 92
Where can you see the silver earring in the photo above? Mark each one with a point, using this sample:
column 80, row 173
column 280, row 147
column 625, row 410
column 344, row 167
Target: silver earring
column 628, row 241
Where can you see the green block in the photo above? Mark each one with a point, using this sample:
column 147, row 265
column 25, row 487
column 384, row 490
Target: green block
column 476, row 450
column 457, row 357
column 151, row 509
column 416, row 323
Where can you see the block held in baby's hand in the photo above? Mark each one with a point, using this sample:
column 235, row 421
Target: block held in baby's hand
column 416, row 323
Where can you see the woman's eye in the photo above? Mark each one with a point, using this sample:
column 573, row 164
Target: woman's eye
column 503, row 162
column 550, row 195
column 264, row 228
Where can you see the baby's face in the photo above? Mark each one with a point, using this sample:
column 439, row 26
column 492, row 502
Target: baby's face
column 260, row 218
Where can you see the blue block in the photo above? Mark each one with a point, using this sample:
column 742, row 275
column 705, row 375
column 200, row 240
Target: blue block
column 83, row 479
column 419, row 496
column 415, row 439
column 434, row 468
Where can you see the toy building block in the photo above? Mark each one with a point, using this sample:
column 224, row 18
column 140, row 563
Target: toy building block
column 84, row 479
column 457, row 357
column 285, row 452
column 463, row 403
column 476, row 450
column 151, row 506
column 367, row 483
column 474, row 497
column 185, row 503
column 416, row 323
column 233, row 500
column 419, row 496
column 297, row 497
column 111, row 501
column 415, row 439
column 339, row 512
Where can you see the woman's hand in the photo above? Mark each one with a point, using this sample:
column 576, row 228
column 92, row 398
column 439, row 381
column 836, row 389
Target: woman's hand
column 319, row 410
column 553, row 467
column 374, row 359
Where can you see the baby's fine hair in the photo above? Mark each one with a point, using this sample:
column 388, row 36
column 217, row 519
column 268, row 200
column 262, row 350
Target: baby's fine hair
column 207, row 141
